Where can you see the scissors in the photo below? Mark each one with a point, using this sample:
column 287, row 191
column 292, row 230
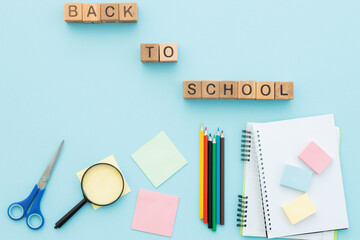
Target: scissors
column 35, row 198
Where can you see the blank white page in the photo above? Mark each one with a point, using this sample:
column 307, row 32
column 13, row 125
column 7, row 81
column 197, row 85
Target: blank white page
column 280, row 143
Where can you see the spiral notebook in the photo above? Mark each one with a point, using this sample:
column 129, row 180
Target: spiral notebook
column 280, row 144
column 250, row 211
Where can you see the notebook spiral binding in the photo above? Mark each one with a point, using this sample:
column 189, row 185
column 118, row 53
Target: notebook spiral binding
column 265, row 203
column 242, row 211
column 243, row 200
column 245, row 145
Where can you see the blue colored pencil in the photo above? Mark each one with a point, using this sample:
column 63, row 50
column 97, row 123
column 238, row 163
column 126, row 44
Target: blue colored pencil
column 218, row 176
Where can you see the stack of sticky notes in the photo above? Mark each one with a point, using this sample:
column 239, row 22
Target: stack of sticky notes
column 300, row 179
column 159, row 159
column 316, row 158
column 155, row 213
column 299, row 208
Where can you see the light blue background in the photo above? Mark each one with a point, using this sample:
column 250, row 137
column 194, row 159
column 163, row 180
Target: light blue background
column 86, row 84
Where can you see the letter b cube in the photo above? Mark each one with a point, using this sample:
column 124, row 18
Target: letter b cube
column 73, row 12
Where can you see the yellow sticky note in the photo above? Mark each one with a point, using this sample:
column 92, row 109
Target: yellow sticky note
column 299, row 209
column 109, row 160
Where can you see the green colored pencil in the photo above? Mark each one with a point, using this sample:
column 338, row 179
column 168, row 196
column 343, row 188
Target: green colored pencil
column 214, row 185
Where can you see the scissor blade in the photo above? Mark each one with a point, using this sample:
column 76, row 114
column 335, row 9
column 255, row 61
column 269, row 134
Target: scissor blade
column 46, row 175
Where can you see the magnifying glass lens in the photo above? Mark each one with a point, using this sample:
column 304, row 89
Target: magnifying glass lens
column 102, row 184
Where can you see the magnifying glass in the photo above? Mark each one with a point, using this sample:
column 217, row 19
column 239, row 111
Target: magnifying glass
column 102, row 184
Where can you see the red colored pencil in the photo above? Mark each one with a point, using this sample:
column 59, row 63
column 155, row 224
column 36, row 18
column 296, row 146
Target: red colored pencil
column 205, row 175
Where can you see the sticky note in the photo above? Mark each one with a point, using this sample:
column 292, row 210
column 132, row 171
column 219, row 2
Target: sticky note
column 110, row 160
column 155, row 213
column 316, row 158
column 159, row 159
column 297, row 178
column 299, row 209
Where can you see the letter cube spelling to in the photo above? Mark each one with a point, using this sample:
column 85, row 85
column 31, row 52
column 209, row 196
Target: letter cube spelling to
column 149, row 52
column 168, row 52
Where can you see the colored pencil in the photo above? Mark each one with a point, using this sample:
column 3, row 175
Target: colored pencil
column 218, row 176
column 210, row 182
column 201, row 194
column 214, row 185
column 222, row 178
column 205, row 176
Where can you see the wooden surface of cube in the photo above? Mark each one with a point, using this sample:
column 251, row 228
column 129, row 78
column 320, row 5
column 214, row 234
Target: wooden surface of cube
column 228, row 89
column 73, row 12
column 128, row 12
column 91, row 13
column 149, row 52
column 168, row 52
column 210, row 89
column 246, row 89
column 265, row 90
column 192, row 89
column 284, row 90
column 109, row 12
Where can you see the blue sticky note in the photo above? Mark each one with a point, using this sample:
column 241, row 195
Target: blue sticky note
column 297, row 178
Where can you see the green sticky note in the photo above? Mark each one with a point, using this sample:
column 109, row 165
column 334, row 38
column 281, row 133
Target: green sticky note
column 159, row 159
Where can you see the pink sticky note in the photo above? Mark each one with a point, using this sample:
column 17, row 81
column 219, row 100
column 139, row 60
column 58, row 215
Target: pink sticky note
column 155, row 212
column 316, row 158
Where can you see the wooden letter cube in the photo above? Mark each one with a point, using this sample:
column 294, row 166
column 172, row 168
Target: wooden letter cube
column 128, row 12
column 109, row 12
column 265, row 90
column 91, row 13
column 73, row 12
column 192, row 89
column 168, row 52
column 149, row 52
column 228, row 89
column 246, row 90
column 210, row 89
column 284, row 90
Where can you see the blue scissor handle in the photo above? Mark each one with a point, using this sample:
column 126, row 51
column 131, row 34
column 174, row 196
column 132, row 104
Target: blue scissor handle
column 34, row 211
column 23, row 205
